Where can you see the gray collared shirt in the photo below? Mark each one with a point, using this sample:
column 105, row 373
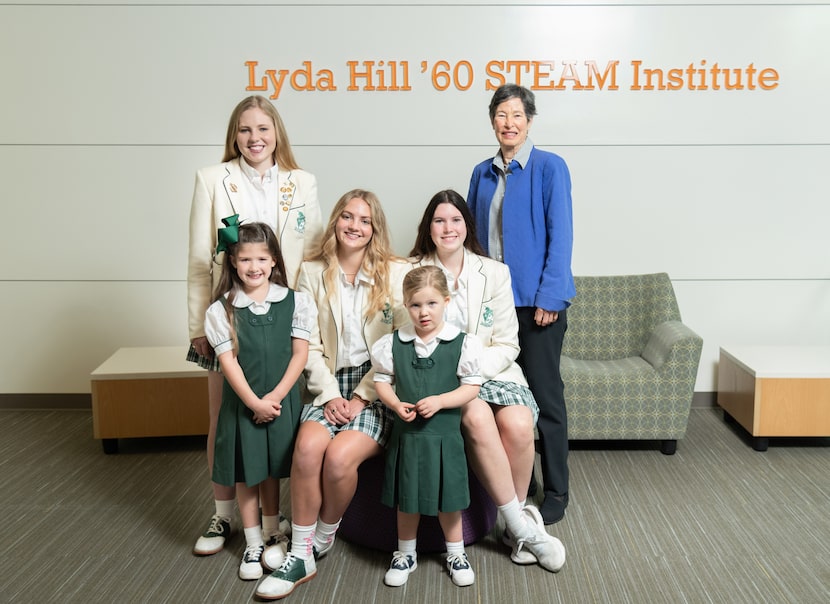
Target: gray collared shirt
column 494, row 237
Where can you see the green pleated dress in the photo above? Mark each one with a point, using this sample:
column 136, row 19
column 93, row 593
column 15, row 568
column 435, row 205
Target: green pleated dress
column 426, row 468
column 245, row 451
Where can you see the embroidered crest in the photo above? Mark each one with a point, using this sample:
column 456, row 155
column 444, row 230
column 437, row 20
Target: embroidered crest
column 487, row 317
column 387, row 314
column 300, row 227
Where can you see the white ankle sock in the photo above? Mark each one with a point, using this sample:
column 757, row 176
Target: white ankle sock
column 301, row 540
column 513, row 519
column 407, row 546
column 270, row 524
column 224, row 508
column 455, row 547
column 253, row 536
column 325, row 532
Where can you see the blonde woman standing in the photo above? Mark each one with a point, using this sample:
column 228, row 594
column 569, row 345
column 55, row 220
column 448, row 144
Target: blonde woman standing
column 258, row 181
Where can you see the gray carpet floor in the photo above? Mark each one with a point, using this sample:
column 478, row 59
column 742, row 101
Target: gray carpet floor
column 717, row 522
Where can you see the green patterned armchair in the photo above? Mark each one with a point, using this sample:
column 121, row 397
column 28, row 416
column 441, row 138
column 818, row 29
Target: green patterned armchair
column 628, row 363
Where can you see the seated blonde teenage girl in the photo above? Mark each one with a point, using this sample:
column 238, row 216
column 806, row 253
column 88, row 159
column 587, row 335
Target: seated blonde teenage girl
column 356, row 282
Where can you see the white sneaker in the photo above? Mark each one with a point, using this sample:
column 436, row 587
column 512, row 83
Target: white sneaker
column 518, row 556
column 213, row 539
column 402, row 565
column 461, row 572
column 548, row 550
column 251, row 567
column 276, row 548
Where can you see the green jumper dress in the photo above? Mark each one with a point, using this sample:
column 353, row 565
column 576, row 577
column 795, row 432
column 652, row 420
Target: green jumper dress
column 246, row 451
column 426, row 469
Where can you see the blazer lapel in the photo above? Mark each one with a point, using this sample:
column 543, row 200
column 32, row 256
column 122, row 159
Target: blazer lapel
column 232, row 183
column 475, row 292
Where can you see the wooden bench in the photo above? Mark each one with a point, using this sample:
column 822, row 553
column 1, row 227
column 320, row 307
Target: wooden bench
column 140, row 392
column 776, row 390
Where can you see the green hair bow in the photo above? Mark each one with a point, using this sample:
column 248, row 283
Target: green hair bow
column 229, row 234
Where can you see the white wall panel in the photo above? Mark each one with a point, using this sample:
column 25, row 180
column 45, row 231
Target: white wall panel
column 159, row 74
column 61, row 331
column 108, row 110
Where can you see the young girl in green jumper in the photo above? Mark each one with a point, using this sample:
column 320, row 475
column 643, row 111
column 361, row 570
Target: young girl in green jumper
column 259, row 330
column 434, row 368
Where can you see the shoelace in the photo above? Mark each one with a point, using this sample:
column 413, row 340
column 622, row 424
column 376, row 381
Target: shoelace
column 252, row 553
column 458, row 561
column 216, row 525
column 287, row 562
column 400, row 561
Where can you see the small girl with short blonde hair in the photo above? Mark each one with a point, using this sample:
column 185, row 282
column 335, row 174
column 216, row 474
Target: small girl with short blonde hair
column 425, row 373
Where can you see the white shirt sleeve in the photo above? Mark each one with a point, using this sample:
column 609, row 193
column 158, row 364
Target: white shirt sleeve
column 218, row 328
column 469, row 365
column 382, row 359
column 305, row 316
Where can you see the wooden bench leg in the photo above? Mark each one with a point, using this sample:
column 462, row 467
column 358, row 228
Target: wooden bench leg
column 110, row 445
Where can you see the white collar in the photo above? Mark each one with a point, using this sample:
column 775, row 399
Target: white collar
column 447, row 333
column 253, row 173
column 276, row 293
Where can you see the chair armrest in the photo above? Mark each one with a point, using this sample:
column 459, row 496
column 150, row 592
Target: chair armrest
column 669, row 338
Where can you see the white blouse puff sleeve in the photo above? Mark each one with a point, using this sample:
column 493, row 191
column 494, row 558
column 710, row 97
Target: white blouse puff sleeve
column 381, row 354
column 469, row 366
column 217, row 328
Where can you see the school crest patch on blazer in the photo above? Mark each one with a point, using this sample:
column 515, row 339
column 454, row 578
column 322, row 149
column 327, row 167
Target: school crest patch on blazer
column 487, row 317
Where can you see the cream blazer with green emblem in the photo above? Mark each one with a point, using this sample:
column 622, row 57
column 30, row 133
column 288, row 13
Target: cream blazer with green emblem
column 217, row 195
column 323, row 342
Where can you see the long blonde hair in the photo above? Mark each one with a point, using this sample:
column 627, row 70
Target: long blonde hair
column 283, row 155
column 375, row 260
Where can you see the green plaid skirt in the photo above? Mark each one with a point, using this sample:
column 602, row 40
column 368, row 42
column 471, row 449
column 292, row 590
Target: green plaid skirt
column 209, row 363
column 506, row 394
column 375, row 420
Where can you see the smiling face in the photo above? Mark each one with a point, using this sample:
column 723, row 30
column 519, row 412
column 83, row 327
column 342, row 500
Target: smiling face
column 256, row 139
column 511, row 125
column 253, row 264
column 447, row 230
column 426, row 311
column 354, row 225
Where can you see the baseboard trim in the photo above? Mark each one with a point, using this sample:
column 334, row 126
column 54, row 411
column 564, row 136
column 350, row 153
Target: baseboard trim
column 84, row 401
column 45, row 401
column 705, row 399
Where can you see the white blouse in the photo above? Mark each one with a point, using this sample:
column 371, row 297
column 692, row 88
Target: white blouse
column 456, row 310
column 352, row 350
column 218, row 330
column 468, row 369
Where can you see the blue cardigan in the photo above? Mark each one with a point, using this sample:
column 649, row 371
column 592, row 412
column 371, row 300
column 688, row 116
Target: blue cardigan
column 537, row 226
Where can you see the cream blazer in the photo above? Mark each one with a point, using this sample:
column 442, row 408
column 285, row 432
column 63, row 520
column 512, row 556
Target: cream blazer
column 491, row 315
column 217, row 195
column 323, row 342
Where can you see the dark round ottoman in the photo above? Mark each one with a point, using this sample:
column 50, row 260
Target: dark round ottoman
column 369, row 523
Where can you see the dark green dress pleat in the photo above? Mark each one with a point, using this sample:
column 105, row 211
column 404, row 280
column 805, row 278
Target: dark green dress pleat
column 426, row 468
column 245, row 451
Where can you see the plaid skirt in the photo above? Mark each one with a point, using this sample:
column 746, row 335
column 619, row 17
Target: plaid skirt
column 209, row 363
column 375, row 420
column 506, row 394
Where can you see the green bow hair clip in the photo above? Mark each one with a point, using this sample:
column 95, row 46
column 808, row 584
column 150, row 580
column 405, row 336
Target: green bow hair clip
column 229, row 234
